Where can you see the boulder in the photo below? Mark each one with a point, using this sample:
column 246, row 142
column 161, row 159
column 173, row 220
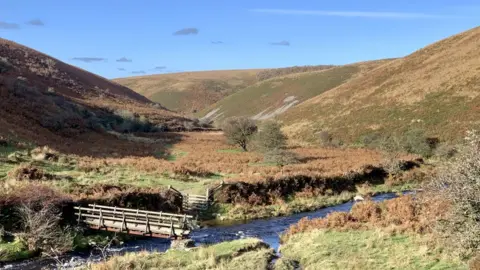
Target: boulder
column 358, row 198
column 182, row 244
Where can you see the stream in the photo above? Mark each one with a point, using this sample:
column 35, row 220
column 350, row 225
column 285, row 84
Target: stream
column 268, row 230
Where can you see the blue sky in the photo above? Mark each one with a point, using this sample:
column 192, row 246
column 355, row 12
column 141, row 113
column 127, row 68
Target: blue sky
column 158, row 36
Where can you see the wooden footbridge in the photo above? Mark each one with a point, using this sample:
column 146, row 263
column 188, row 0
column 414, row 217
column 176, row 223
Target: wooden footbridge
column 147, row 223
column 134, row 221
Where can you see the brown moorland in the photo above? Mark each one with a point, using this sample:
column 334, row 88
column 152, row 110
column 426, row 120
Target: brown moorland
column 436, row 89
column 45, row 101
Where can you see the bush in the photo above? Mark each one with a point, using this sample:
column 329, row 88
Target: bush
column 281, row 157
column 42, row 231
column 445, row 151
column 459, row 183
column 239, row 131
column 130, row 122
column 414, row 141
column 326, row 139
column 270, row 137
column 5, row 66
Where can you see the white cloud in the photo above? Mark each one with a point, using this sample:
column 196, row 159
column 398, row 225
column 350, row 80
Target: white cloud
column 364, row 14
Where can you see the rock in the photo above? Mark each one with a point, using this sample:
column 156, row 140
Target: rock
column 358, row 198
column 182, row 244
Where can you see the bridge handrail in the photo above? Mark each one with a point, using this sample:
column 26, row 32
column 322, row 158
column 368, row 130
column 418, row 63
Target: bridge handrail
column 95, row 206
column 134, row 221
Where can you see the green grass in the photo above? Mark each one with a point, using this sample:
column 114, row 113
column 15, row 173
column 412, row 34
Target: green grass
column 12, row 251
column 365, row 250
column 294, row 204
column 244, row 254
column 290, row 206
column 271, row 93
column 113, row 175
column 5, row 167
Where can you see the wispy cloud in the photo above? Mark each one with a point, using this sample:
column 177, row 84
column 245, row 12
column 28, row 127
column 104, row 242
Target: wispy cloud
column 364, row 14
column 6, row 25
column 186, row 31
column 217, row 42
column 160, row 68
column 138, row 72
column 280, row 43
column 89, row 59
column 36, row 22
column 124, row 60
column 121, row 69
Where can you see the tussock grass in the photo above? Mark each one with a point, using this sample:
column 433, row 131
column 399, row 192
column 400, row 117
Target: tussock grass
column 246, row 254
column 368, row 249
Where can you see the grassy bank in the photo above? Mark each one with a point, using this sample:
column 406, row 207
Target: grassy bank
column 367, row 249
column 244, row 254
column 297, row 203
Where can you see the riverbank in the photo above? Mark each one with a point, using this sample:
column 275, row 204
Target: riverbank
column 366, row 249
column 249, row 253
column 298, row 203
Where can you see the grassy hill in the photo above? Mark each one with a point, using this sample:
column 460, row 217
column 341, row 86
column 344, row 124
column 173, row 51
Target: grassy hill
column 274, row 96
column 435, row 89
column 190, row 91
column 44, row 100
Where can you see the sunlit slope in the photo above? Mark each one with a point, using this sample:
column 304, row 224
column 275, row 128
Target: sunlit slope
column 272, row 97
column 436, row 89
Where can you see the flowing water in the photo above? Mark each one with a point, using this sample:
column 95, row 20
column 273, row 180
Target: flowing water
column 268, row 230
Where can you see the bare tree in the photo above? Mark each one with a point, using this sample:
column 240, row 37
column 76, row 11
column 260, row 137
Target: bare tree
column 42, row 231
column 239, row 131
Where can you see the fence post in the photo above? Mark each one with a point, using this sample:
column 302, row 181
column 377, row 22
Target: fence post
column 100, row 220
column 79, row 214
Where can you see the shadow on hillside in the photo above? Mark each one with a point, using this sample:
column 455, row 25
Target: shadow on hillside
column 74, row 126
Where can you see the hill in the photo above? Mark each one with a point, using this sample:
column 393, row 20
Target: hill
column 190, row 92
column 274, row 96
column 435, row 89
column 44, row 100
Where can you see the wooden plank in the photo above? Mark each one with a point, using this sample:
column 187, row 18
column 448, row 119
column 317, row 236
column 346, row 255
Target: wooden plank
column 135, row 210
column 107, row 213
column 138, row 228
column 156, row 235
column 142, row 222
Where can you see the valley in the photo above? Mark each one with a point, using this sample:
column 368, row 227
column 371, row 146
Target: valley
column 358, row 166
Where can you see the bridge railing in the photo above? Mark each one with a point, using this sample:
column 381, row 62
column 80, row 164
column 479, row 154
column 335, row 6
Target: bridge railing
column 134, row 221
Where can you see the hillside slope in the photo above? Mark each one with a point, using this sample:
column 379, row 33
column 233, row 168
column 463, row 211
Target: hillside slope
column 190, row 91
column 44, row 100
column 436, row 89
column 272, row 97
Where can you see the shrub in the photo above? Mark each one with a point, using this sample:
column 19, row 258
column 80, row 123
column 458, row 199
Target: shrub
column 42, row 231
column 458, row 182
column 326, row 139
column 281, row 157
column 239, row 131
column 414, row 141
column 445, row 151
column 29, row 173
column 270, row 137
column 130, row 122
column 5, row 66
